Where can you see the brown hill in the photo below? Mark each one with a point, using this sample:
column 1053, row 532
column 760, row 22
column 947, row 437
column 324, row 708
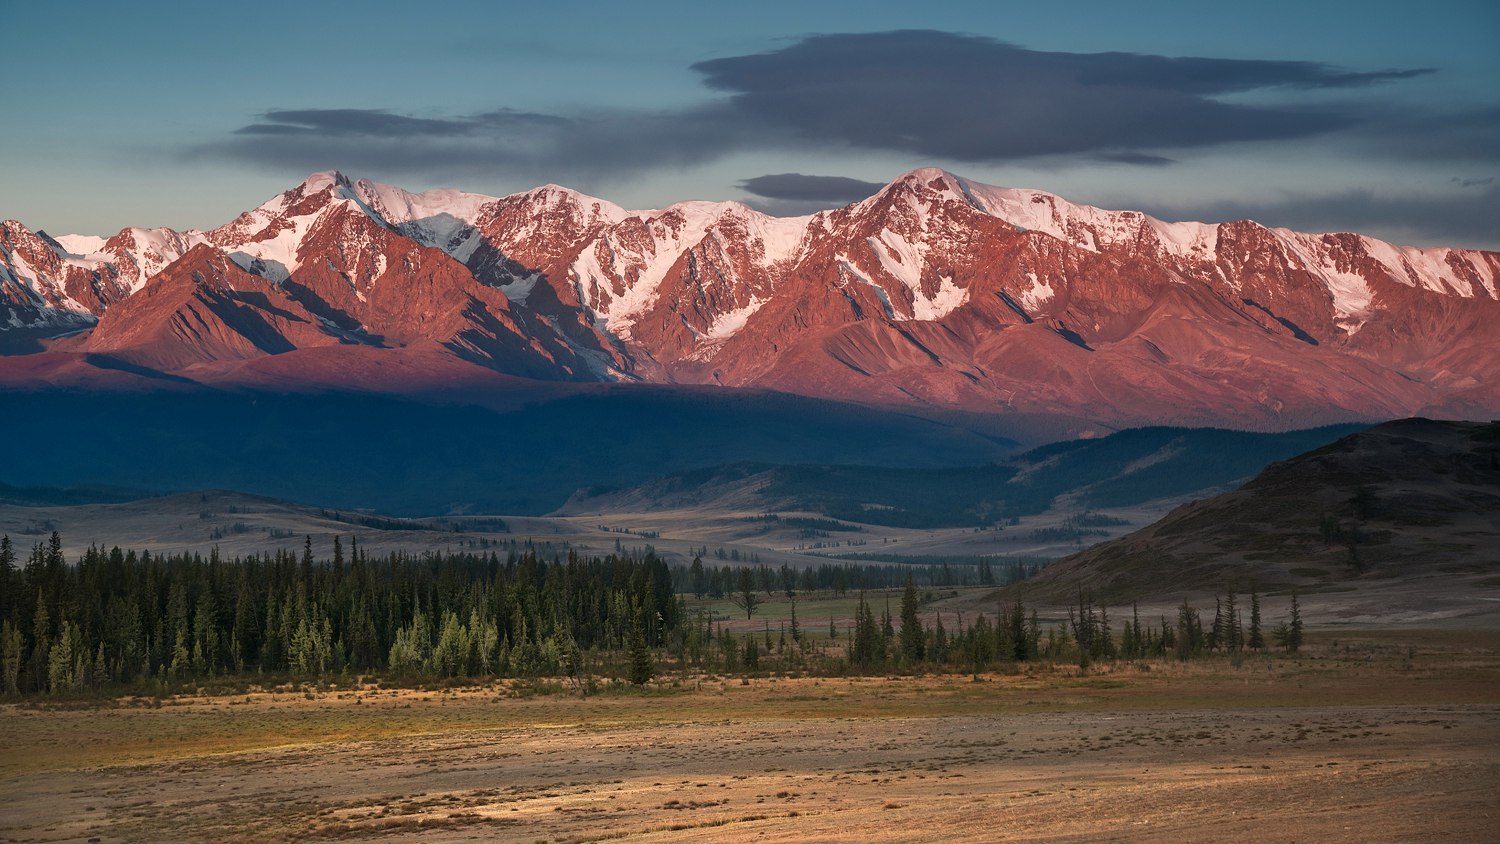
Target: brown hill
column 1400, row 505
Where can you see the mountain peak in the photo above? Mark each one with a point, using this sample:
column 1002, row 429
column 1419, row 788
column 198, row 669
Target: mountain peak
column 323, row 180
column 937, row 290
column 930, row 174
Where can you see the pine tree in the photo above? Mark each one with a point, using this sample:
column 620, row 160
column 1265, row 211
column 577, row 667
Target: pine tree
column 938, row 652
column 206, row 633
column 61, row 660
column 1216, row 632
column 8, row 586
column 1234, row 635
column 1257, row 640
column 642, row 668
column 887, row 630
column 912, row 634
column 450, row 657
column 1189, row 631
column 746, row 598
column 1022, row 640
column 41, row 645
column 1294, row 628
column 12, row 646
column 1106, row 637
column 181, row 657
column 867, row 647
column 695, row 573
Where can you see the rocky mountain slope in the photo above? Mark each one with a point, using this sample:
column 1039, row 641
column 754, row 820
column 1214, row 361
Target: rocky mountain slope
column 1401, row 503
column 937, row 292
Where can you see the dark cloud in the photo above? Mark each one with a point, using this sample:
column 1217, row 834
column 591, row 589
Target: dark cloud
column 1463, row 218
column 1139, row 159
column 922, row 94
column 967, row 98
column 795, row 187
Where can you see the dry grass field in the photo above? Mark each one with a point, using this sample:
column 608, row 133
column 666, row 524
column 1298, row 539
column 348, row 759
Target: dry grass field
column 1383, row 734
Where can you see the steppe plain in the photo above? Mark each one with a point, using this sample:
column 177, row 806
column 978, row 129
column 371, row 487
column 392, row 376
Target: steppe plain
column 1372, row 733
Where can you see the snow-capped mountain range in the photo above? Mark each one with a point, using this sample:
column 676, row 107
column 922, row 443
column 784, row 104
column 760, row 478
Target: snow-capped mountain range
column 937, row 291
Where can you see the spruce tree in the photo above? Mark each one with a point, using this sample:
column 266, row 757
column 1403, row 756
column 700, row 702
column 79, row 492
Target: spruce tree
column 1216, row 632
column 887, row 630
column 867, row 648
column 1257, row 640
column 746, row 597
column 938, row 652
column 1234, row 636
column 1189, row 631
column 8, row 585
column 1294, row 628
column 695, row 575
column 12, row 645
column 912, row 635
column 1022, row 639
column 642, row 667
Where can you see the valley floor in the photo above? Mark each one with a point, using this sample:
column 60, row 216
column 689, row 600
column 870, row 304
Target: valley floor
column 1388, row 735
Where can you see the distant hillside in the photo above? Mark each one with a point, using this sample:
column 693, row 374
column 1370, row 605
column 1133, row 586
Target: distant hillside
column 405, row 457
column 1123, row 469
column 46, row 496
column 1405, row 501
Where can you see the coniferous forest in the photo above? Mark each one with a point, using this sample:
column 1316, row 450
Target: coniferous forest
column 127, row 619
column 120, row 617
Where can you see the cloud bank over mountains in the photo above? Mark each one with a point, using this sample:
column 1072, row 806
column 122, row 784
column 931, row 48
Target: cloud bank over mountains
column 918, row 96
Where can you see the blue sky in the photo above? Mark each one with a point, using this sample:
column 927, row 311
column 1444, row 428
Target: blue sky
column 1374, row 116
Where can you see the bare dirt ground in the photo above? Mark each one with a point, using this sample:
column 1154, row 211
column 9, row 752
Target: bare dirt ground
column 1393, row 736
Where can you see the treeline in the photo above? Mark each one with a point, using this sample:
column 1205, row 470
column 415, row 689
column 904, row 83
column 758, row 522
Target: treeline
column 957, row 569
column 883, row 639
column 123, row 619
column 810, row 526
column 980, row 642
column 704, row 580
column 879, row 639
column 1092, row 637
column 120, row 617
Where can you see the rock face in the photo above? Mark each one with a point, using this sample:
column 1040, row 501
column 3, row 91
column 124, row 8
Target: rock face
column 935, row 292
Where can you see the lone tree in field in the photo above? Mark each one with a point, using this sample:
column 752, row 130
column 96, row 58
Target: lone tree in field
column 1295, row 640
column 1257, row 641
column 745, row 596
